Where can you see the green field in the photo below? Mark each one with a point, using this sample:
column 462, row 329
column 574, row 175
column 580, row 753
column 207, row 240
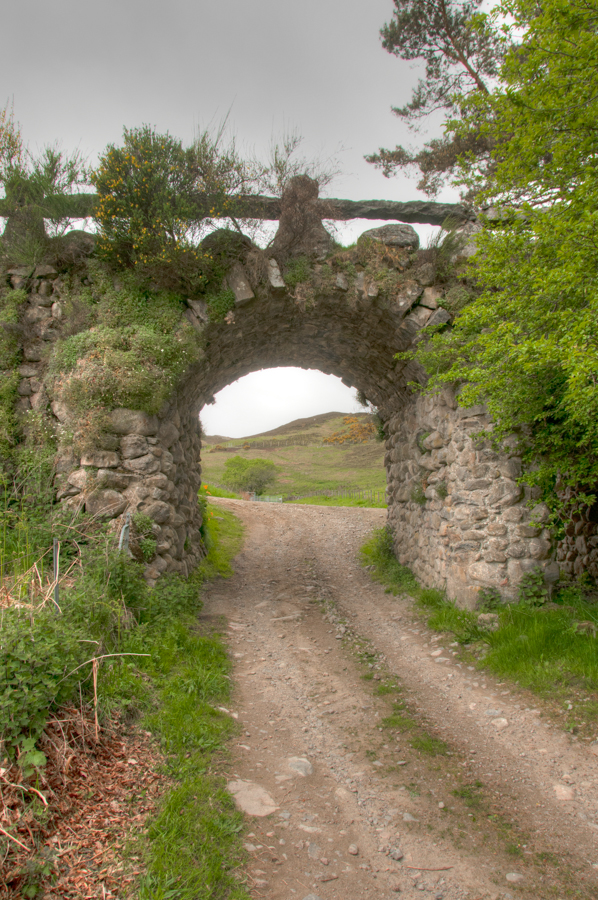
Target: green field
column 309, row 464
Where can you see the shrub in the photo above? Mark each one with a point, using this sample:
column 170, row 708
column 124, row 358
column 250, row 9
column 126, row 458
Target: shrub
column 248, row 474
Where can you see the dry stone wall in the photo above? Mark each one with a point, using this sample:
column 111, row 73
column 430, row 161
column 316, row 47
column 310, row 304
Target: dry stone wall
column 460, row 519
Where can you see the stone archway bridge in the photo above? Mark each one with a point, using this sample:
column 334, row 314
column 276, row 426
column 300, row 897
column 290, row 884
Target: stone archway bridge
column 460, row 519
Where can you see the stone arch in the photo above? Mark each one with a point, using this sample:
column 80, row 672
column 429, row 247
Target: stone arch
column 458, row 517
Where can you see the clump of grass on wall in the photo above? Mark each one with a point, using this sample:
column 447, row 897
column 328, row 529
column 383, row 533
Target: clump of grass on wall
column 135, row 346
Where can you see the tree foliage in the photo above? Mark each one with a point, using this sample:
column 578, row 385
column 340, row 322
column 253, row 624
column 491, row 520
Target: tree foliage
column 462, row 53
column 528, row 346
column 248, row 474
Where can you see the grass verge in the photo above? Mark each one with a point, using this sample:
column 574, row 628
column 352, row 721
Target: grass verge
column 192, row 847
column 156, row 664
column 212, row 490
column 540, row 648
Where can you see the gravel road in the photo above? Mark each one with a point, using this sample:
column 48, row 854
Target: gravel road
column 470, row 795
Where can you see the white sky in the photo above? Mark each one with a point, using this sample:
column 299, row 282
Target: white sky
column 78, row 71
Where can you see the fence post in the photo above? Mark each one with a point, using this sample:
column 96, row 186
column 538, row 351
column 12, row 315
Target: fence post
column 56, row 561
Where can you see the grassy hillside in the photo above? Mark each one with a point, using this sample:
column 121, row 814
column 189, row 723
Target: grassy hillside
column 305, row 462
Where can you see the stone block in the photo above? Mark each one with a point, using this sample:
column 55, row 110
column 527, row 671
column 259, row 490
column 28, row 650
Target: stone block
column 105, row 504
column 430, row 297
column 133, row 446
column 238, row 282
column 526, row 531
column 477, row 484
column 159, row 511
column 60, row 410
column 518, row 550
column 143, row 465
column 45, row 272
column 275, row 279
column 409, row 292
column 131, row 421
column 199, row 309
column 439, row 317
column 510, row 468
column 420, row 316
column 341, row 282
column 26, row 371
column 108, row 478
column 426, row 275
column 505, row 493
column 517, row 568
column 100, row 459
column 467, row 412
column 539, row 549
column 496, row 528
column 488, row 574
column 168, row 434
column 393, row 235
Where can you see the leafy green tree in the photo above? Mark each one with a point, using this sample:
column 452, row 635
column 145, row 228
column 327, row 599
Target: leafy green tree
column 462, row 51
column 528, row 346
column 155, row 198
column 248, row 474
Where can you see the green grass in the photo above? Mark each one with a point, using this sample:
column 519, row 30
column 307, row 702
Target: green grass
column 339, row 501
column 539, row 648
column 431, row 746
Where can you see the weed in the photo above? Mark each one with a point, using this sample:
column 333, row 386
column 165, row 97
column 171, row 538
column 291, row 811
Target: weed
column 220, row 304
column 532, row 589
column 441, row 490
column 297, row 271
column 418, row 495
column 379, row 553
column 489, row 600
column 429, row 745
column 211, row 490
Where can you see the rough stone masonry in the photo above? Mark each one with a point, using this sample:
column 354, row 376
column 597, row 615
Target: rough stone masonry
column 459, row 518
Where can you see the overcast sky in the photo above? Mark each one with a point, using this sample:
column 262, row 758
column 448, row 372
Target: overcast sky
column 78, row 71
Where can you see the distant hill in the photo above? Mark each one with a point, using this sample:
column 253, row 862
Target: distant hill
column 288, row 429
column 305, row 463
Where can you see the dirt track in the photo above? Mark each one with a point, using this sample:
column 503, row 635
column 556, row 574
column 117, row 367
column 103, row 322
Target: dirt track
column 510, row 811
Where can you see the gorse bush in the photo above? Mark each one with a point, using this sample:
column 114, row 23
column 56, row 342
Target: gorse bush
column 154, row 199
